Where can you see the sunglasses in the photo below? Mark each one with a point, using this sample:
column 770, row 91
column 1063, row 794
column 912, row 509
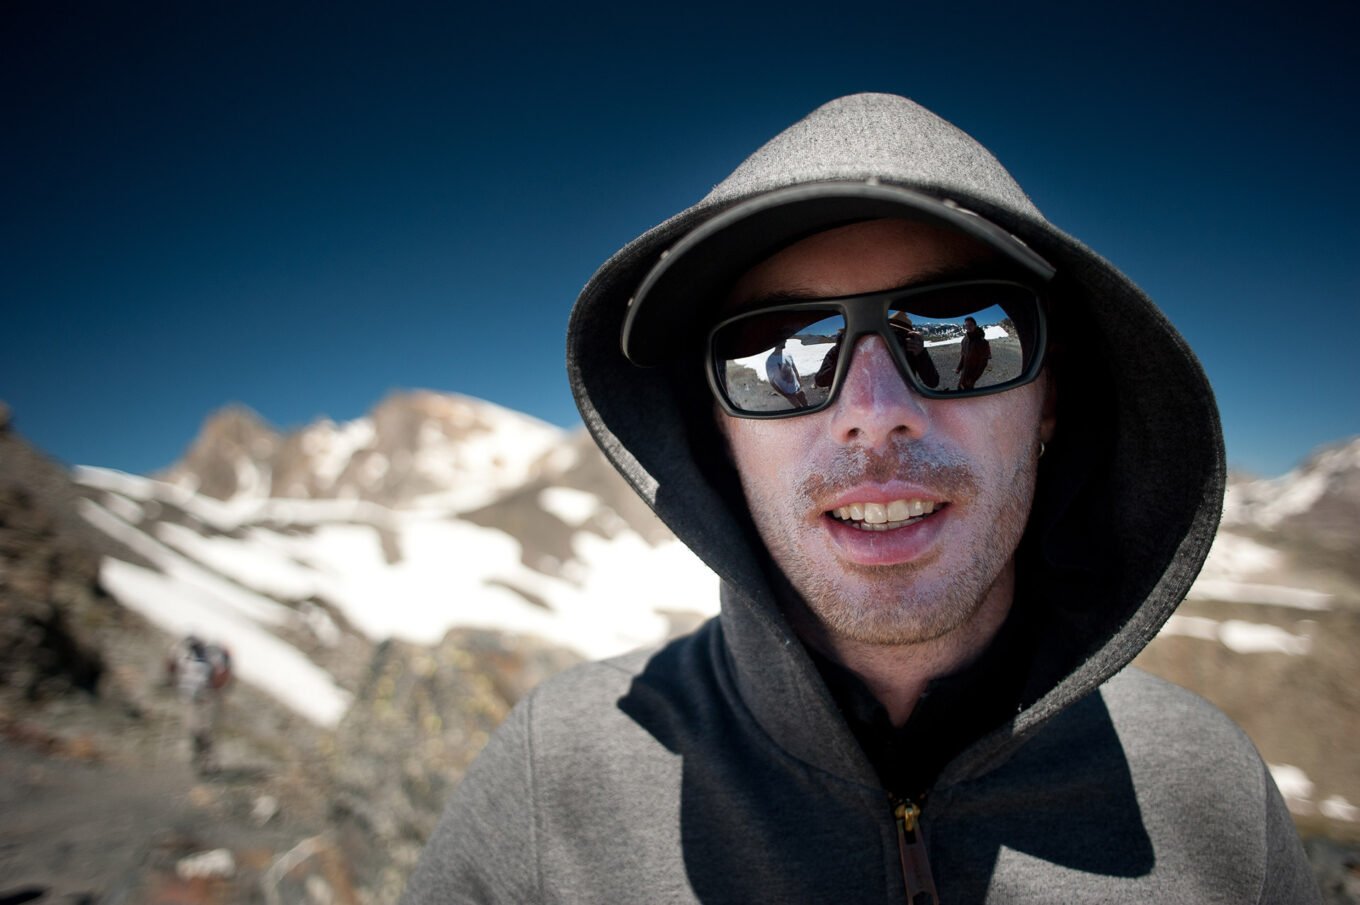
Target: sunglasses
column 949, row 341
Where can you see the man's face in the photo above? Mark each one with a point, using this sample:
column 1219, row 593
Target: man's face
column 894, row 517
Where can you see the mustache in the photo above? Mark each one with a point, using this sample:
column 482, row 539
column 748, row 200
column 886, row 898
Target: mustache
column 941, row 471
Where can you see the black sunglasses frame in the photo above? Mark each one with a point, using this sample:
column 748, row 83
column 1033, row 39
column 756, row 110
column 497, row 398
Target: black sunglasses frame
column 867, row 315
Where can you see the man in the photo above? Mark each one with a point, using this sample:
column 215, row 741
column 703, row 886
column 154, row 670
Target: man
column 201, row 672
column 781, row 374
column 974, row 353
column 914, row 345
column 916, row 687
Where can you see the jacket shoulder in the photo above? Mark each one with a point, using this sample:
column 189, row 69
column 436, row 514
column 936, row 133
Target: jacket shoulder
column 541, row 776
column 601, row 716
column 1199, row 778
column 1163, row 719
column 1138, row 791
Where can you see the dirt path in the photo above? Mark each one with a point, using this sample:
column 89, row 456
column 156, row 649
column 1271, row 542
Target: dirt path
column 113, row 813
column 78, row 829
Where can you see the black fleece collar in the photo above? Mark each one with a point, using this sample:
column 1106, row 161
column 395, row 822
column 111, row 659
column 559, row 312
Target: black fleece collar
column 953, row 712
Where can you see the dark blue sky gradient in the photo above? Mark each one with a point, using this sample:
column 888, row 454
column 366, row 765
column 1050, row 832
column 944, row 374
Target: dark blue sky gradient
column 303, row 207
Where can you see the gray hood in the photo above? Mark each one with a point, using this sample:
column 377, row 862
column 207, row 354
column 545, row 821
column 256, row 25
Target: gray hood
column 1129, row 493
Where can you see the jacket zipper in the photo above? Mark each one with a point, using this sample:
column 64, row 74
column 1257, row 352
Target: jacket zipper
column 911, row 847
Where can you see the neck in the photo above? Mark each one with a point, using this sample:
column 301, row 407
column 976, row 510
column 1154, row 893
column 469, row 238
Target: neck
column 897, row 674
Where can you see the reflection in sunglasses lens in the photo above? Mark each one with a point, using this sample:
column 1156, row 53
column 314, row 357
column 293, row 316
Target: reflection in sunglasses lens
column 979, row 348
column 779, row 362
column 954, row 339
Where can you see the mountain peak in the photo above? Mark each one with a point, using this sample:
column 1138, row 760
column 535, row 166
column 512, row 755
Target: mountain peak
column 230, row 437
column 413, row 445
column 1319, row 499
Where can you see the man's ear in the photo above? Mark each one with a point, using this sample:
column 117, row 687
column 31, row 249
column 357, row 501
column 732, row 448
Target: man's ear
column 1048, row 418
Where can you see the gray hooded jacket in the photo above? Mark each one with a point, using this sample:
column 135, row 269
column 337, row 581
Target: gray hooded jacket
column 720, row 768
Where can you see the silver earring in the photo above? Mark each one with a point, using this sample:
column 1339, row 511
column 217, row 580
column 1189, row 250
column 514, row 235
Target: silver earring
column 1041, row 449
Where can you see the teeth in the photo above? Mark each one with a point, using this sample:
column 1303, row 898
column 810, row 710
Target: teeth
column 882, row 517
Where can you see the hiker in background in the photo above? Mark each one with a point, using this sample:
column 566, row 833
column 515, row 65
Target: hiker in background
column 201, row 672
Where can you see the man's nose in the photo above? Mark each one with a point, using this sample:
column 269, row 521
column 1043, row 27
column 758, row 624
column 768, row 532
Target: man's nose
column 875, row 403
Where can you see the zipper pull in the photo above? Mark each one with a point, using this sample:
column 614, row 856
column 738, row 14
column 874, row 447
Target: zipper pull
column 915, row 862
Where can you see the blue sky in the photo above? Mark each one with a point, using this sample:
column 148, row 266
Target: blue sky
column 304, row 207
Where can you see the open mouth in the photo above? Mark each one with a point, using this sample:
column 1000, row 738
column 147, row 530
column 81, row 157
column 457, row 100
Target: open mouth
column 885, row 516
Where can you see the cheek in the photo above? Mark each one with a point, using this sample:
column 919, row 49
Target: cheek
column 998, row 432
column 766, row 454
column 750, row 447
column 1015, row 435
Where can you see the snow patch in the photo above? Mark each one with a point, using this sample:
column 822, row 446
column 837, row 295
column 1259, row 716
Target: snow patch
column 1233, row 556
column 1338, row 808
column 1253, row 638
column 1295, row 786
column 1239, row 636
column 1298, row 790
column 1191, row 627
column 207, row 865
column 1264, row 594
column 252, row 561
column 133, row 486
column 574, row 507
column 185, row 573
column 124, row 508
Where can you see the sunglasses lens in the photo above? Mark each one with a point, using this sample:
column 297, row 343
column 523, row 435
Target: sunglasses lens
column 777, row 361
column 968, row 337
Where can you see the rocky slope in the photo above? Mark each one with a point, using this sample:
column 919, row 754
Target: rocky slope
column 1270, row 631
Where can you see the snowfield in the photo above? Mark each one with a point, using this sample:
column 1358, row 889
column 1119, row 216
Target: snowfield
column 258, row 565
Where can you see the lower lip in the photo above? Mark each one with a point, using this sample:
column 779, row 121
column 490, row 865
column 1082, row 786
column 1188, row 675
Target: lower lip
column 886, row 548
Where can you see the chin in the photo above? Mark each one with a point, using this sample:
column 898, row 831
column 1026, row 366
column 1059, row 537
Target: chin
column 907, row 603
column 905, row 620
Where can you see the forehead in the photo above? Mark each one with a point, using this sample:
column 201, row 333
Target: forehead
column 860, row 257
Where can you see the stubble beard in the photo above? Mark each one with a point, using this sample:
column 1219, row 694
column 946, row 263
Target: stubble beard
column 908, row 603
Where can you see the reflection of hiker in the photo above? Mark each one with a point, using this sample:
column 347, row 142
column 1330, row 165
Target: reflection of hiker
column 783, row 376
column 827, row 370
column 914, row 345
column 200, row 671
column 912, row 342
column 973, row 356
